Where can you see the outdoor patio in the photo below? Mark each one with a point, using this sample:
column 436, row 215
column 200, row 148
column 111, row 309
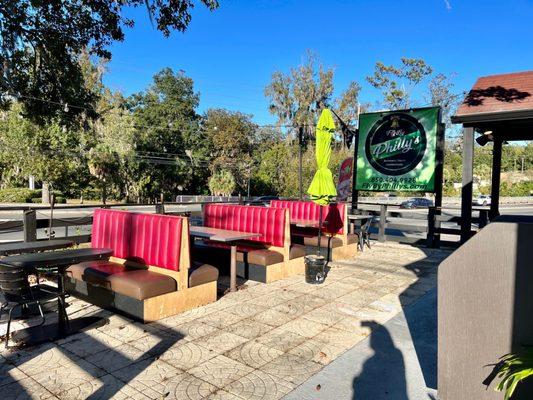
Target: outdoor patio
column 260, row 342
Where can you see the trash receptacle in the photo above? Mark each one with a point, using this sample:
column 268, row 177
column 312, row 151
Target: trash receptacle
column 314, row 269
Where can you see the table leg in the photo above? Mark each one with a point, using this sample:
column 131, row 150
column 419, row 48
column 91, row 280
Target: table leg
column 233, row 270
column 63, row 322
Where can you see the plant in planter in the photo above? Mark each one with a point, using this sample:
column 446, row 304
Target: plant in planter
column 512, row 369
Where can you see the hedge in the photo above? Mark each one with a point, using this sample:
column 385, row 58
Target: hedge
column 24, row 195
column 18, row 195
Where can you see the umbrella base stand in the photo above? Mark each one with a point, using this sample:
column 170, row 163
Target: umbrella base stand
column 314, row 269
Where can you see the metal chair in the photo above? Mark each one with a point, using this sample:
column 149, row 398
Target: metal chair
column 17, row 292
column 364, row 233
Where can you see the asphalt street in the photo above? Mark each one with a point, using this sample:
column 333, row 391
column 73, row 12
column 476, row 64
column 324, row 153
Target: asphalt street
column 415, row 218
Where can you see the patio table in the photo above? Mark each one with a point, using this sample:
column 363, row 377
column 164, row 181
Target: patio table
column 7, row 249
column 357, row 217
column 224, row 236
column 305, row 223
column 57, row 262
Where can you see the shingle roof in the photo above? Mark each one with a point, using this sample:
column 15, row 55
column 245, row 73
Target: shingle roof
column 499, row 94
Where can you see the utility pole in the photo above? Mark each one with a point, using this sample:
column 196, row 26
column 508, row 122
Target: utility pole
column 300, row 146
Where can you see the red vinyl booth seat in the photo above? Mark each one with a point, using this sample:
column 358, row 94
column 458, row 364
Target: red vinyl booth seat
column 156, row 240
column 145, row 239
column 333, row 214
column 269, row 222
column 112, row 230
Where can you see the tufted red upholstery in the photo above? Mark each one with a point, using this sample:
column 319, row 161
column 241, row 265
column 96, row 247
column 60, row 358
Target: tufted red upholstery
column 111, row 229
column 155, row 240
column 307, row 210
column 269, row 222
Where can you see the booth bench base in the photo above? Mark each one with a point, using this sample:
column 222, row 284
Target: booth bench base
column 147, row 310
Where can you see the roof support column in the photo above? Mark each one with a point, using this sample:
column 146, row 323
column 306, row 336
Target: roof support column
column 466, row 192
column 496, row 171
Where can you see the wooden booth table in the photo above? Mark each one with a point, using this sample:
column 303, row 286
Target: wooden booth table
column 224, row 236
column 56, row 262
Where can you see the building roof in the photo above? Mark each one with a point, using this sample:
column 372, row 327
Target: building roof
column 498, row 98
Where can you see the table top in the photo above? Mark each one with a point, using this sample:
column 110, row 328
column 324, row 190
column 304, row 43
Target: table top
column 57, row 259
column 31, row 247
column 307, row 223
column 220, row 235
column 357, row 217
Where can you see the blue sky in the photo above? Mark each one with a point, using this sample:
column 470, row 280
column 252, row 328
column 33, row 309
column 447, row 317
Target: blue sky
column 232, row 52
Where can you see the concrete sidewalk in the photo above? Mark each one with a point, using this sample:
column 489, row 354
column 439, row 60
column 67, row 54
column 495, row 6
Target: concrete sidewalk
column 398, row 361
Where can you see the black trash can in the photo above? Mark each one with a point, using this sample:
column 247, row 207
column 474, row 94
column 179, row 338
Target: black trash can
column 314, row 269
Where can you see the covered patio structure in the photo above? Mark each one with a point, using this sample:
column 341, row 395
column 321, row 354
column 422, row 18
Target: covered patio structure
column 500, row 109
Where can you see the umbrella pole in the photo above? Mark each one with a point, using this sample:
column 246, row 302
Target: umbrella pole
column 319, row 227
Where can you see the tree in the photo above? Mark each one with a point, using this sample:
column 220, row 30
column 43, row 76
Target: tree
column 40, row 43
column 397, row 82
column 231, row 136
column 51, row 153
column 296, row 98
column 166, row 135
column 222, row 183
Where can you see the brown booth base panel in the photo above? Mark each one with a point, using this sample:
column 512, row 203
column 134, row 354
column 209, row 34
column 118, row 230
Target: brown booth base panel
column 336, row 253
column 296, row 266
column 148, row 310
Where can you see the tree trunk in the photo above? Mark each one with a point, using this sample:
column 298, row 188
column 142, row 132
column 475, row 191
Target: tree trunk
column 45, row 194
column 104, row 193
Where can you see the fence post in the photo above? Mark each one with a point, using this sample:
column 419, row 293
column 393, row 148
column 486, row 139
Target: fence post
column 382, row 222
column 483, row 218
column 159, row 208
column 431, row 227
column 29, row 221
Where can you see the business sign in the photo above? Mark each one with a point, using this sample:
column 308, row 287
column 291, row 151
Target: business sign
column 397, row 150
column 344, row 186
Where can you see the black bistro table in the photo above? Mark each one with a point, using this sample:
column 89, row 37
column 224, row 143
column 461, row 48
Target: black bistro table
column 7, row 249
column 56, row 262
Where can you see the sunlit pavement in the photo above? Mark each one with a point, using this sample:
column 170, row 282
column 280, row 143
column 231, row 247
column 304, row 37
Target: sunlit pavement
column 261, row 342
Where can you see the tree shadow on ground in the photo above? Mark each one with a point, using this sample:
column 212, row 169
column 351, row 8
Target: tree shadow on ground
column 167, row 336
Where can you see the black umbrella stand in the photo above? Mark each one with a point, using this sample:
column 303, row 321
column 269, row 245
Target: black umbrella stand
column 315, row 264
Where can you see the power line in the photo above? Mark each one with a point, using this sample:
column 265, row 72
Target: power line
column 90, row 108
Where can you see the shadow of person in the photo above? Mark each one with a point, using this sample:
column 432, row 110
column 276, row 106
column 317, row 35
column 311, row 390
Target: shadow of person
column 383, row 374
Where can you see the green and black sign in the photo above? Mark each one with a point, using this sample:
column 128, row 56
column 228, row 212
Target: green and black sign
column 397, row 150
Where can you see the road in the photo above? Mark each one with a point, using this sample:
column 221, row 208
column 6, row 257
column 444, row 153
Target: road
column 405, row 217
column 7, row 217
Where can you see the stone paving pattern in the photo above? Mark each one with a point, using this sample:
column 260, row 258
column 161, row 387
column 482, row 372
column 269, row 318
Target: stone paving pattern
column 258, row 343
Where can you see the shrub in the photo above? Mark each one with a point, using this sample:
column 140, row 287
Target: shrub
column 37, row 200
column 60, row 200
column 18, row 195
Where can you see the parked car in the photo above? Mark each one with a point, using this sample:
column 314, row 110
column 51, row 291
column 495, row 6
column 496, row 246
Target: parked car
column 262, row 201
column 482, row 200
column 417, row 202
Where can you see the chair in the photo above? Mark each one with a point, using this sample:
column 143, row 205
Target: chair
column 364, row 233
column 17, row 292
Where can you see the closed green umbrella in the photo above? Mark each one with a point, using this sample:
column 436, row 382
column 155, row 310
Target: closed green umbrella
column 322, row 189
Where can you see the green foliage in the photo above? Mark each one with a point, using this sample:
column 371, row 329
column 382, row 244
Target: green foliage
column 222, row 183
column 397, row 82
column 167, row 137
column 513, row 369
column 516, row 189
column 297, row 97
column 40, row 43
column 18, row 195
column 230, row 137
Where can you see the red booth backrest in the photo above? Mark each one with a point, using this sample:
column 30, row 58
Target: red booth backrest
column 307, row 210
column 156, row 240
column 112, row 230
column 269, row 222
